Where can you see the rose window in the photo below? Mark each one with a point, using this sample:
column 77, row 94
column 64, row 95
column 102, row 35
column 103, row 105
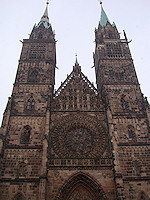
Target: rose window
column 79, row 140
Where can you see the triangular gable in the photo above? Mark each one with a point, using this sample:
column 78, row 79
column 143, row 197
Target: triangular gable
column 76, row 93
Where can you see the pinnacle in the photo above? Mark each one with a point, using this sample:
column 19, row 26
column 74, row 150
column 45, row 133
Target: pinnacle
column 76, row 63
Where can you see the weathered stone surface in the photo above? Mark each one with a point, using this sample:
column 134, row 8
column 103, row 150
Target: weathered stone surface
column 78, row 142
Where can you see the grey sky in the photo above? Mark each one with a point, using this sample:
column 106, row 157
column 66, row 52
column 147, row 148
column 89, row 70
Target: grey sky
column 74, row 22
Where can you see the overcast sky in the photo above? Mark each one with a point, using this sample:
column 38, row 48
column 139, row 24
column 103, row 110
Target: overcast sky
column 74, row 22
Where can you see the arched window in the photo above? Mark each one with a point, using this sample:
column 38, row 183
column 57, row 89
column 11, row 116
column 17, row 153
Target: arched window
column 22, row 169
column 33, row 77
column 124, row 104
column 25, row 136
column 137, row 169
column 131, row 133
column 30, row 103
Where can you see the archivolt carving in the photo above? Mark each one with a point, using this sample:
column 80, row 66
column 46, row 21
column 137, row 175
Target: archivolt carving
column 79, row 183
column 78, row 136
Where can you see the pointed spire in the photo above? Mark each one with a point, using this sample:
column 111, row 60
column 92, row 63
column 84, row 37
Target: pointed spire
column 104, row 19
column 76, row 63
column 45, row 17
column 77, row 67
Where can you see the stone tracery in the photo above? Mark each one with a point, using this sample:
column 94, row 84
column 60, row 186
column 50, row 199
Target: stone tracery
column 70, row 139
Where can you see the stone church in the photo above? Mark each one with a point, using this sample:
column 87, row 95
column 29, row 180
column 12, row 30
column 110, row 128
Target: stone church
column 78, row 142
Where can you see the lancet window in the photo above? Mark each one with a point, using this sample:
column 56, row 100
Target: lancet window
column 31, row 103
column 25, row 136
column 131, row 133
column 22, row 169
column 137, row 169
column 124, row 104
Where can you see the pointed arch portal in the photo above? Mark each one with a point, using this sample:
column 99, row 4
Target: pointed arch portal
column 81, row 187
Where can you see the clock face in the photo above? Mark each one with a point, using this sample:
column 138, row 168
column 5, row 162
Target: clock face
column 79, row 140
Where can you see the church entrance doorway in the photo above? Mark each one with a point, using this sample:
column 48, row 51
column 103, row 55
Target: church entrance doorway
column 81, row 187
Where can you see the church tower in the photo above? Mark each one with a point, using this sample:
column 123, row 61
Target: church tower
column 127, row 109
column 25, row 125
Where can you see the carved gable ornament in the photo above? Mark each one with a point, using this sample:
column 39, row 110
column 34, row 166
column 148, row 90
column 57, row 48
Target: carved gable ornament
column 77, row 93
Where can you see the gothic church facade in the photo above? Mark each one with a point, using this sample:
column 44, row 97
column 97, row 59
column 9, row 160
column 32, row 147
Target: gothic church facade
column 80, row 142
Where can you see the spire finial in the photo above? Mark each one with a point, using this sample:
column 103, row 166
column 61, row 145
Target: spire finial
column 76, row 63
column 47, row 2
column 100, row 1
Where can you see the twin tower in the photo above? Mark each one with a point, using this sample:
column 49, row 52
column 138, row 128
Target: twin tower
column 80, row 142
